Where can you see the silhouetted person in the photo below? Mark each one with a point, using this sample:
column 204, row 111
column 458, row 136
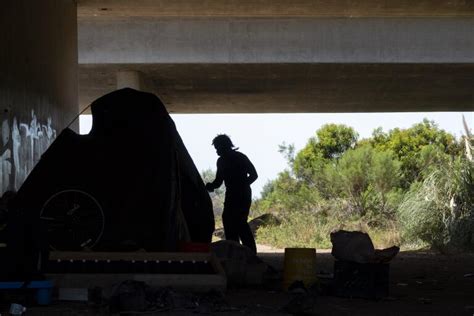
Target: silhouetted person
column 237, row 172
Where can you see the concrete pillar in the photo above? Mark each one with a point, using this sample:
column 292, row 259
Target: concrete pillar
column 38, row 81
column 129, row 79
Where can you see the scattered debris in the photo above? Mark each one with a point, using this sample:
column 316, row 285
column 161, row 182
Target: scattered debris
column 17, row 309
column 385, row 255
column 297, row 287
column 135, row 296
column 229, row 249
column 324, row 275
column 255, row 224
column 390, row 299
column 241, row 265
column 219, row 233
column 361, row 280
column 302, row 300
column 424, row 300
column 360, row 270
column 357, row 247
column 262, row 221
column 129, row 296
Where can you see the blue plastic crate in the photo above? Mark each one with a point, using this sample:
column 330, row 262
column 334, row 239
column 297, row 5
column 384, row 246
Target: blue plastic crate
column 43, row 289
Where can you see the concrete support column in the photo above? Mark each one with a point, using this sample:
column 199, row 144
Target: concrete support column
column 38, row 81
column 129, row 79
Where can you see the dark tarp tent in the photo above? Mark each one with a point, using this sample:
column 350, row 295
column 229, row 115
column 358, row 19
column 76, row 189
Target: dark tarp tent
column 129, row 184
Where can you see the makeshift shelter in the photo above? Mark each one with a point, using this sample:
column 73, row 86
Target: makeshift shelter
column 129, row 184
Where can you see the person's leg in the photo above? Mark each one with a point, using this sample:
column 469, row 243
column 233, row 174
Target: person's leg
column 230, row 225
column 245, row 234
column 244, row 231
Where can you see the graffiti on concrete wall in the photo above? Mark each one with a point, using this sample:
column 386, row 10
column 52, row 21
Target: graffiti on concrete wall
column 23, row 143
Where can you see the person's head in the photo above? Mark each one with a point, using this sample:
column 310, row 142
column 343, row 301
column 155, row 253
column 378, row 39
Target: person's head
column 223, row 144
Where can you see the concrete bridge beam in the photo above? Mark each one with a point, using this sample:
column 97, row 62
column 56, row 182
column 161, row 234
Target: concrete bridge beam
column 284, row 40
column 239, row 65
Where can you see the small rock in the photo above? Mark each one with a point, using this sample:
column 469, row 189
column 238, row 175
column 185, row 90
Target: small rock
column 425, row 301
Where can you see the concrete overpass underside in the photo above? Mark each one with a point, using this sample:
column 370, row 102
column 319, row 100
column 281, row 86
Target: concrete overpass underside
column 266, row 88
column 269, row 56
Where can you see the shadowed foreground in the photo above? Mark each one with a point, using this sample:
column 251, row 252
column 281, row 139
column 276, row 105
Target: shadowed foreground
column 421, row 283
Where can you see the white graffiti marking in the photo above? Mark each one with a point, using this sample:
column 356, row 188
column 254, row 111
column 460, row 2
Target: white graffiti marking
column 28, row 142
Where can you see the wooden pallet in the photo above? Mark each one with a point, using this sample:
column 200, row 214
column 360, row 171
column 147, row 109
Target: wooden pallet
column 213, row 278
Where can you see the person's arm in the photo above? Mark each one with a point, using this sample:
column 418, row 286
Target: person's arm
column 211, row 186
column 252, row 172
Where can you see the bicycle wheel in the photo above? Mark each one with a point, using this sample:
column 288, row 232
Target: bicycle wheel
column 74, row 220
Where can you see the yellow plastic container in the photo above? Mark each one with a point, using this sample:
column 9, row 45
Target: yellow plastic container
column 299, row 265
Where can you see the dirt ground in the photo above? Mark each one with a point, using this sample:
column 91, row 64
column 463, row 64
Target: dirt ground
column 421, row 283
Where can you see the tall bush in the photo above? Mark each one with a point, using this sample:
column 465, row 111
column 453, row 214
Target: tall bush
column 439, row 211
column 368, row 180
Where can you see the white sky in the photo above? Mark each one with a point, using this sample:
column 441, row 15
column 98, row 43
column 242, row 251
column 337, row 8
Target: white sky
column 258, row 135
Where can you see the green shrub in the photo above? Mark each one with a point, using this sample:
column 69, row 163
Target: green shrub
column 403, row 184
column 439, row 211
column 303, row 230
column 307, row 230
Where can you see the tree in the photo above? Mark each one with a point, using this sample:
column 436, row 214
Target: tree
column 334, row 139
column 336, row 179
column 417, row 148
column 330, row 142
column 366, row 178
column 288, row 151
column 218, row 195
